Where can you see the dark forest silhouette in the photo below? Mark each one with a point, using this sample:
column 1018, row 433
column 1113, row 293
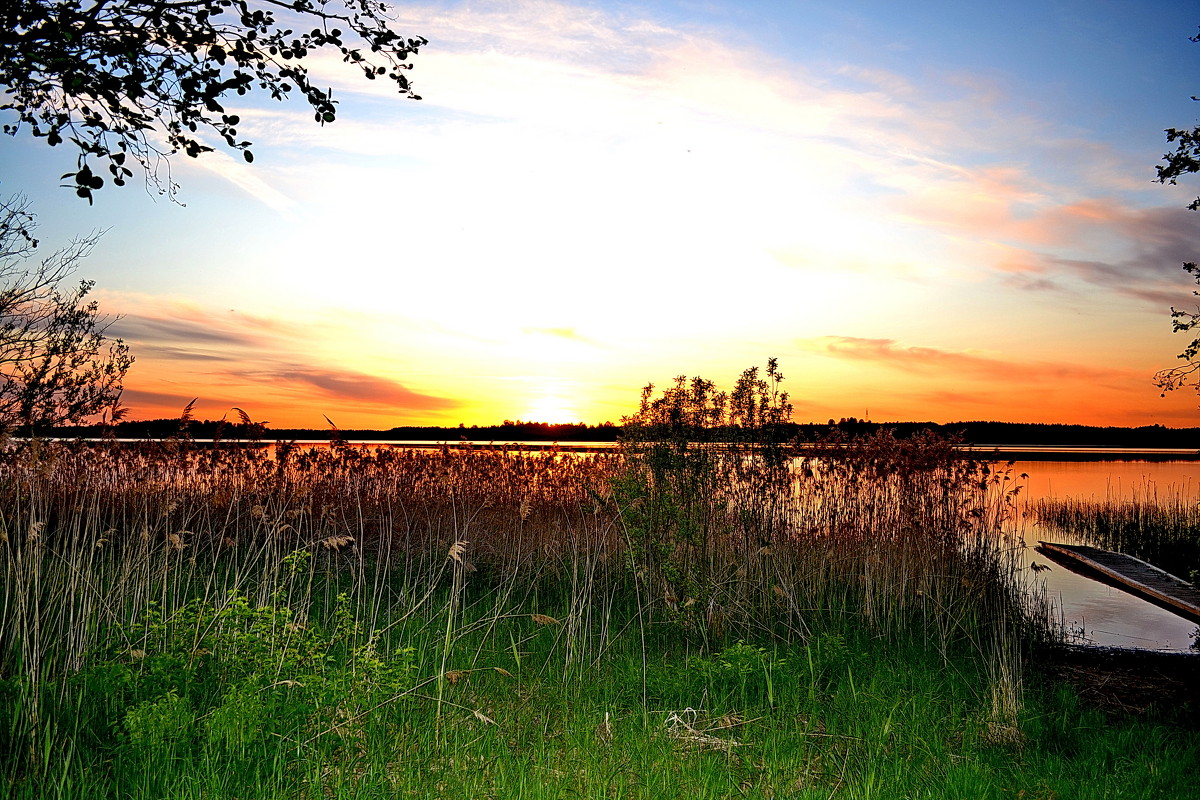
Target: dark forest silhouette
column 976, row 432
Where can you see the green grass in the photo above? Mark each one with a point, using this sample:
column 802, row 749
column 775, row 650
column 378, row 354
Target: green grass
column 845, row 715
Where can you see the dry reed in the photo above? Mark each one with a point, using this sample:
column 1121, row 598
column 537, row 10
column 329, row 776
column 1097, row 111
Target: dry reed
column 903, row 536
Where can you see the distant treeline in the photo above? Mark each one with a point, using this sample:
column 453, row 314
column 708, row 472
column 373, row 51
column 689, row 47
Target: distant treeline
column 980, row 433
column 508, row 431
column 1030, row 433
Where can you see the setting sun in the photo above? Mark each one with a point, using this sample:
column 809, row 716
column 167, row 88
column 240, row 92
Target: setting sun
column 553, row 409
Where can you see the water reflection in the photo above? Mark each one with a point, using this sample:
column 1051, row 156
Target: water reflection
column 1088, row 610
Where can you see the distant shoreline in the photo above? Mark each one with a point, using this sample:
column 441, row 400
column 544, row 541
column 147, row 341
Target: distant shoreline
column 985, row 452
column 1030, row 441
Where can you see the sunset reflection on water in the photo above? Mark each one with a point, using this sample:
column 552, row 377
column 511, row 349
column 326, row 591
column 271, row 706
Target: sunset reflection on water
column 1092, row 611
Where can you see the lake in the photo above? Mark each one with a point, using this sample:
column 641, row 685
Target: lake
column 1091, row 611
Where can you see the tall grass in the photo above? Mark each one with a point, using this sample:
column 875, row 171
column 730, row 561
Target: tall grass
column 1163, row 530
column 283, row 609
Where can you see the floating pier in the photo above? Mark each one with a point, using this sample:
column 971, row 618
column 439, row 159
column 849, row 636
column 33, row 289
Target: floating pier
column 1131, row 574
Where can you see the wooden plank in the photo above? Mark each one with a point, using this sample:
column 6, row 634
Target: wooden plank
column 1131, row 574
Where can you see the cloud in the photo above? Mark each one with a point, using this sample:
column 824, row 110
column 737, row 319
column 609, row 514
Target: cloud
column 1026, row 283
column 185, row 330
column 143, row 397
column 148, row 330
column 1137, row 252
column 933, row 360
column 299, row 362
column 544, row 123
column 591, row 176
column 167, row 405
column 1044, row 241
column 249, row 180
column 180, row 354
column 565, row 333
column 606, row 77
column 348, row 386
column 176, row 319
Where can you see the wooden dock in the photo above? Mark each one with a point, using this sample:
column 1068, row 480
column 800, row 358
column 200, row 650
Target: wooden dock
column 1131, row 574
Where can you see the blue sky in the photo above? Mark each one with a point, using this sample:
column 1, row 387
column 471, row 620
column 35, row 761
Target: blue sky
column 926, row 210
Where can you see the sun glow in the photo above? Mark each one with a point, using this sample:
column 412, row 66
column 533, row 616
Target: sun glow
column 553, row 409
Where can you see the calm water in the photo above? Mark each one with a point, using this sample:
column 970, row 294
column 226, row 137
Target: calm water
column 1088, row 609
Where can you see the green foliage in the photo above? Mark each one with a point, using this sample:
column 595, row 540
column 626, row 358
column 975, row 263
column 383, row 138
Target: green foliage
column 242, row 675
column 1182, row 322
column 705, row 482
column 1183, row 160
column 158, row 726
column 825, row 656
column 847, row 712
column 110, row 78
column 693, row 411
column 744, row 671
column 57, row 365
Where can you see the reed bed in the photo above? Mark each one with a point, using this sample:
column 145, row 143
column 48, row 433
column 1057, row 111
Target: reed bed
column 1163, row 530
column 177, row 599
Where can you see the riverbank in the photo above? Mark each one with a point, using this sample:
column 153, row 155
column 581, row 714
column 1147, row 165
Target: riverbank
column 1125, row 682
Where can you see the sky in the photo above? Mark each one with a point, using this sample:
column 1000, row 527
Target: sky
column 937, row 211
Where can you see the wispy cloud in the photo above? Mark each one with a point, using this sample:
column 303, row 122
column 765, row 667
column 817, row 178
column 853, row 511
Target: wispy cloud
column 234, row 358
column 197, row 333
column 249, row 180
column 187, row 330
column 563, row 333
column 346, row 387
column 1133, row 252
column 932, row 360
column 688, row 136
column 168, row 405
